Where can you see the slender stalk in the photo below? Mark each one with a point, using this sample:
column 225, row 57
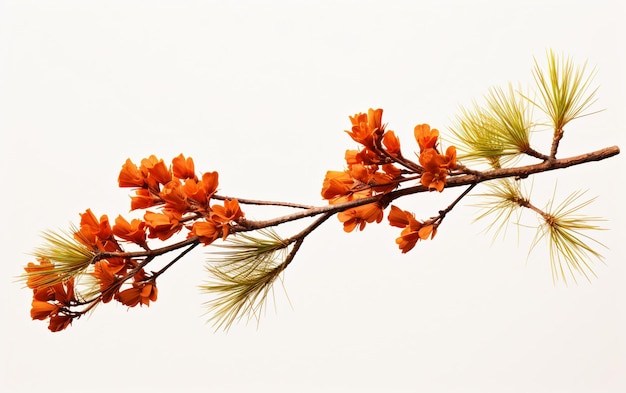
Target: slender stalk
column 263, row 203
column 173, row 261
column 442, row 213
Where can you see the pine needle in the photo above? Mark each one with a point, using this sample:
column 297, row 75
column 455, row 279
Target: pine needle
column 243, row 276
column 501, row 201
column 497, row 132
column 571, row 251
column 564, row 90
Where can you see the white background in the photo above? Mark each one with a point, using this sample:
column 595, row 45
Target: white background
column 261, row 92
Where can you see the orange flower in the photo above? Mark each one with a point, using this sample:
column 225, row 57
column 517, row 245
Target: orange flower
column 413, row 229
column 174, row 197
column 59, row 322
column 435, row 172
column 130, row 175
column 411, row 234
column 201, row 191
column 382, row 182
column 206, row 231
column 162, row 226
column 140, row 294
column 42, row 310
column 142, row 291
column 155, row 171
column 434, row 180
column 135, row 231
column 425, row 137
column 368, row 176
column 398, row 217
column 210, row 180
column 143, row 199
column 96, row 235
column 392, row 171
column 392, row 143
column 362, row 173
column 39, row 274
column 353, row 157
column 336, row 184
column 367, row 127
column 230, row 212
column 183, row 168
column 64, row 292
column 51, row 301
column 104, row 273
column 365, row 156
column 360, row 216
column 89, row 227
column 450, row 161
column 44, row 293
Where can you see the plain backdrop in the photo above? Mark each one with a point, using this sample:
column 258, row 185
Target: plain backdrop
column 261, row 92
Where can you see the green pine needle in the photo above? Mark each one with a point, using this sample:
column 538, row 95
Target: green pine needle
column 497, row 132
column 571, row 251
column 500, row 202
column 243, row 276
column 564, row 90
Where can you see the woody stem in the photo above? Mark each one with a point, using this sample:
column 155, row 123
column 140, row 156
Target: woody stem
column 452, row 181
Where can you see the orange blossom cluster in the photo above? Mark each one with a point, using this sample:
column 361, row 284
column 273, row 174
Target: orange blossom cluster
column 180, row 200
column 378, row 168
